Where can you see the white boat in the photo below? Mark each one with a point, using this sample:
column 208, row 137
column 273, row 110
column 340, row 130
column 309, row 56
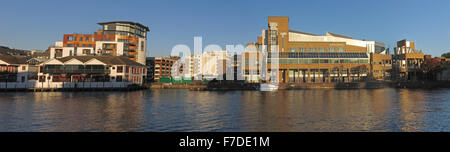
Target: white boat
column 268, row 87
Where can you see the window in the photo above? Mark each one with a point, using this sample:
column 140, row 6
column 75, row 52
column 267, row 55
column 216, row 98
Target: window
column 86, row 51
column 312, row 49
column 69, row 38
column 119, row 69
column 92, row 39
column 41, row 78
column 81, row 38
column 70, row 45
column 24, row 67
column 341, row 49
column 321, row 49
column 87, row 39
column 293, row 49
column 302, row 49
column 315, row 60
column 330, row 49
column 119, row 79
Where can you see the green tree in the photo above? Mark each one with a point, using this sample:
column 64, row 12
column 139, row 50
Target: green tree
column 447, row 55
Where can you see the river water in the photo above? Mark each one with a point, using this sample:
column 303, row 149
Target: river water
column 183, row 110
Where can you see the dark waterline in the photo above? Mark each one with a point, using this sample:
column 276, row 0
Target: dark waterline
column 183, row 110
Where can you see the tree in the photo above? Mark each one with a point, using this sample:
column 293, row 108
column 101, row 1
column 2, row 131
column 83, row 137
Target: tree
column 430, row 68
column 447, row 55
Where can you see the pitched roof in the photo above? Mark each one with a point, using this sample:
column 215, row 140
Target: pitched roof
column 113, row 60
column 13, row 59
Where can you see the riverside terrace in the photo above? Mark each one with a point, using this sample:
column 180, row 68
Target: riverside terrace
column 85, row 72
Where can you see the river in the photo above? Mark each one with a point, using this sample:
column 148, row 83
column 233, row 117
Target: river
column 164, row 110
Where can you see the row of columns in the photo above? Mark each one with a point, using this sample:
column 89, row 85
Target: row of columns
column 284, row 75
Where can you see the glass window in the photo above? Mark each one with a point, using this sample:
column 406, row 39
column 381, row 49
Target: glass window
column 341, row 49
column 330, row 49
column 324, row 61
column 302, row 49
column 81, row 38
column 321, row 49
column 293, row 49
column 312, row 49
column 70, row 38
column 119, row 69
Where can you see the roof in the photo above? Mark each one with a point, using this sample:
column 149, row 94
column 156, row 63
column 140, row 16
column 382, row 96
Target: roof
column 13, row 59
column 112, row 60
column 300, row 32
column 338, row 35
column 126, row 22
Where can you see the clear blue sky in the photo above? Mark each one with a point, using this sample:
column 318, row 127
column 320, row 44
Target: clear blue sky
column 37, row 24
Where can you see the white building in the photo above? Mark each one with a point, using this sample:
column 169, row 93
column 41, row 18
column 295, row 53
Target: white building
column 14, row 69
column 371, row 46
column 208, row 65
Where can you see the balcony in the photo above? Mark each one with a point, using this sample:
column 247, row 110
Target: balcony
column 131, row 44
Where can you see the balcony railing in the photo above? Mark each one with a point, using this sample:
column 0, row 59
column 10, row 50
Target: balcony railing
column 78, row 71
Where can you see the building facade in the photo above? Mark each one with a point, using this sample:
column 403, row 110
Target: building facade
column 14, row 69
column 311, row 58
column 118, row 38
column 407, row 60
column 162, row 67
column 74, row 70
column 381, row 66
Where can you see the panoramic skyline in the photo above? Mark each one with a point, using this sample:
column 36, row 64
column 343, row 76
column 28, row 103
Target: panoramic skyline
column 38, row 24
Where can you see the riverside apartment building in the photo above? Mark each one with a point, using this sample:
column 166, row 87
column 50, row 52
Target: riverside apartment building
column 310, row 58
column 90, row 72
column 116, row 38
column 407, row 60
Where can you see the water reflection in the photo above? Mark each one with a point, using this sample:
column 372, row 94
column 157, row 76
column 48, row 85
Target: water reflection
column 183, row 110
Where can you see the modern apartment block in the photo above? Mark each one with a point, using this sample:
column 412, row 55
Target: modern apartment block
column 208, row 65
column 117, row 38
column 162, row 67
column 406, row 60
column 381, row 66
column 311, row 58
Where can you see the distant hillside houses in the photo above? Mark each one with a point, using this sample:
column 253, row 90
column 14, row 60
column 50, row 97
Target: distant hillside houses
column 8, row 51
column 25, row 53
